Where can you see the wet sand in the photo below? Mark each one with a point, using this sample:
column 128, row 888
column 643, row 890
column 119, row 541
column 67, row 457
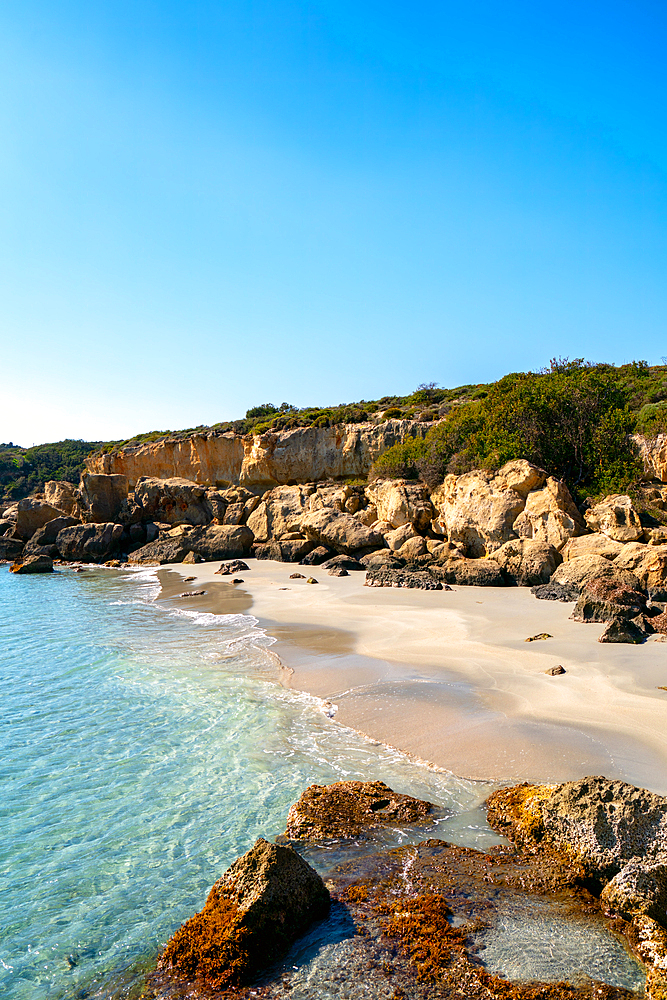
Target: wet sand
column 448, row 677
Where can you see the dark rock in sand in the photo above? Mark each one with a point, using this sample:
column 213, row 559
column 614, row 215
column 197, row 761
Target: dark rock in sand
column 33, row 564
column 233, row 566
column 470, row 573
column 555, row 671
column 317, row 555
column 192, row 558
column 344, row 562
column 253, row 914
column 385, row 577
column 622, row 630
column 338, row 571
column 350, row 809
column 602, row 600
column 556, row 592
column 89, row 542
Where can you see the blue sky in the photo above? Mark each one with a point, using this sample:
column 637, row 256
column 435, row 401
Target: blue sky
column 205, row 206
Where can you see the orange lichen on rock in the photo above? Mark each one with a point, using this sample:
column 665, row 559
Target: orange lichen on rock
column 251, row 917
column 349, row 808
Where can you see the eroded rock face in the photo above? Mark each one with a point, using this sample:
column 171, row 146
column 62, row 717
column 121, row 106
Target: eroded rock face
column 653, row 452
column 648, row 563
column 615, row 517
column 173, row 501
column 263, row 902
column 527, row 562
column 550, row 516
column 63, row 495
column 33, row 514
column 400, row 502
column 591, row 545
column 602, row 600
column 479, row 508
column 351, row 809
column 342, row 532
column 582, row 569
column 89, row 542
column 102, row 497
column 617, row 832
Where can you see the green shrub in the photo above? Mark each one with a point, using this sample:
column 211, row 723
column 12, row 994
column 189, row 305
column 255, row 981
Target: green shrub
column 652, row 419
column 392, row 412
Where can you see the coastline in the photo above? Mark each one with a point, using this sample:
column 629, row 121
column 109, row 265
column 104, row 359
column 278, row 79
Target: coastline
column 447, row 677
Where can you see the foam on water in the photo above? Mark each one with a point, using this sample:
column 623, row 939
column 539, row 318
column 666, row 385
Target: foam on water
column 141, row 751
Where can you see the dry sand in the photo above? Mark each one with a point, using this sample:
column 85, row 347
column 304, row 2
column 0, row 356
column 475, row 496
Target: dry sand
column 448, row 677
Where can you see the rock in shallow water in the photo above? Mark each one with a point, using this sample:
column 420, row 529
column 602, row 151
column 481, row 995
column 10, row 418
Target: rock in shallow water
column 262, row 903
column 350, row 809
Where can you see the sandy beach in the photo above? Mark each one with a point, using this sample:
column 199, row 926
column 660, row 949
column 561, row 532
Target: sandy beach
column 448, row 677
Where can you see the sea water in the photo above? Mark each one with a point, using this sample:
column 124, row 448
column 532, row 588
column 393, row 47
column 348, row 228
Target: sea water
column 142, row 750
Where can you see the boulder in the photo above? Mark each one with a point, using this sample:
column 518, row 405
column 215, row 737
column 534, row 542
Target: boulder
column 383, row 576
column 284, row 550
column 400, row 502
column 89, row 542
column 470, row 572
column 398, row 536
column 368, row 515
column 173, row 501
column 167, row 549
column 234, row 513
column 10, row 548
column 648, row 563
column 280, row 511
column 63, row 495
column 550, row 515
column 217, row 503
column 479, row 508
column 615, row 517
column 338, row 571
column 639, row 888
column 623, row 630
column 382, row 557
column 253, row 914
column 102, row 497
column 591, row 545
column 46, row 535
column 35, row 563
column 580, row 570
column 413, row 548
column 317, row 555
column 341, row 532
column 218, row 541
column 602, row 600
column 32, row 514
column 527, row 562
column 343, row 562
column 351, row 808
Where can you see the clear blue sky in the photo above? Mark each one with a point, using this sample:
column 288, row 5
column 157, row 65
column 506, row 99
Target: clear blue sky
column 208, row 205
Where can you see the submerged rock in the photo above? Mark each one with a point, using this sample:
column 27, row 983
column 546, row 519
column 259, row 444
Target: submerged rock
column 351, row 809
column 262, row 903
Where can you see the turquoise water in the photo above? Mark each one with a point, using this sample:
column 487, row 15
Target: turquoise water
column 141, row 751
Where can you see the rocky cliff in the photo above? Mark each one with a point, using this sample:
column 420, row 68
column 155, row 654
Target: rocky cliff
column 260, row 461
column 653, row 453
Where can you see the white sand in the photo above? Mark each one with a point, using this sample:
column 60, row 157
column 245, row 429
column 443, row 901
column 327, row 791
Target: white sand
column 448, row 677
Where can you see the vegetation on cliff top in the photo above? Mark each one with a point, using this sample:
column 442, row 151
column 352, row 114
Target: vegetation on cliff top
column 573, row 418
column 25, row 470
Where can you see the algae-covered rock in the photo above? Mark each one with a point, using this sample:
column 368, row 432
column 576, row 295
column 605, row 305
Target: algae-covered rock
column 602, row 600
column 384, row 576
column 350, row 808
column 253, row 914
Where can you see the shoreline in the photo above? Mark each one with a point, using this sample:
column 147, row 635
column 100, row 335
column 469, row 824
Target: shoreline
column 447, row 677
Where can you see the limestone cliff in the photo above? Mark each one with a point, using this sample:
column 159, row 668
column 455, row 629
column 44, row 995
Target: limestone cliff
column 259, row 461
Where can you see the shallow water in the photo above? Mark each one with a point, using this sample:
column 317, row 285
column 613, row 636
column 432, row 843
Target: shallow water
column 141, row 751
